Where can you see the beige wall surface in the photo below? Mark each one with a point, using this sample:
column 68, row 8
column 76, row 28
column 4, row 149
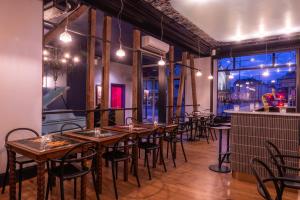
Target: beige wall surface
column 20, row 68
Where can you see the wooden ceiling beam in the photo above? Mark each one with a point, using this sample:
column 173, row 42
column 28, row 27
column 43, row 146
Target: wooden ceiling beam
column 53, row 34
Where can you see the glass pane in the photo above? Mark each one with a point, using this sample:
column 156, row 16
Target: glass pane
column 225, row 63
column 253, row 61
column 285, row 58
column 248, row 86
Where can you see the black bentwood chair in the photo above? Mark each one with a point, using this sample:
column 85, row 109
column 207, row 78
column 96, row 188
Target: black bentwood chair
column 70, row 167
column 150, row 144
column 66, row 127
column 20, row 160
column 283, row 169
column 172, row 137
column 261, row 181
column 120, row 152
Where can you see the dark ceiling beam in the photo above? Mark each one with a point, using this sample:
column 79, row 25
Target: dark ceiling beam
column 256, row 46
column 147, row 18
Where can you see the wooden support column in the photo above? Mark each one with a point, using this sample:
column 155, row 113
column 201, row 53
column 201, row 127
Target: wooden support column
column 181, row 83
column 136, row 77
column 105, row 70
column 171, row 84
column 90, row 75
column 193, row 82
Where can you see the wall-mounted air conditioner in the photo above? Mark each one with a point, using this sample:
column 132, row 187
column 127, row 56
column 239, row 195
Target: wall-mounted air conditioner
column 154, row 45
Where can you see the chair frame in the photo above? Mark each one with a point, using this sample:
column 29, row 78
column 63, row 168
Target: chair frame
column 20, row 177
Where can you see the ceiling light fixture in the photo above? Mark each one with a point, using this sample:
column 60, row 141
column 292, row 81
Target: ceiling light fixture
column 45, row 52
column 199, row 73
column 266, row 73
column 231, row 76
column 120, row 52
column 161, row 62
column 210, row 77
column 76, row 59
column 65, row 36
column 252, row 59
column 67, row 55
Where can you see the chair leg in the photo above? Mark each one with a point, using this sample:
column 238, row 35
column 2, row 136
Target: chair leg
column 5, row 178
column 211, row 135
column 116, row 168
column 48, row 186
column 95, row 185
column 215, row 135
column 168, row 149
column 207, row 137
column 136, row 174
column 183, row 151
column 114, row 179
column 162, row 159
column 62, row 190
column 172, row 153
column 20, row 181
column 75, row 188
column 148, row 167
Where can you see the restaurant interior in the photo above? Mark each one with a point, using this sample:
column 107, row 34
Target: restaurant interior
column 150, row 99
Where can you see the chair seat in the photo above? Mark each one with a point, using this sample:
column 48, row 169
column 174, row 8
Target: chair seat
column 148, row 145
column 292, row 184
column 116, row 156
column 70, row 171
column 23, row 160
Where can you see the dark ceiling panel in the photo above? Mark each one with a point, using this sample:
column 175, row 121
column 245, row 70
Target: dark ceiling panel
column 147, row 18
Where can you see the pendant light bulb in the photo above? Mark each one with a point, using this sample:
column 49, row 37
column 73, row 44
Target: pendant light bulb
column 65, row 36
column 210, row 77
column 161, row 62
column 120, row 52
column 199, row 73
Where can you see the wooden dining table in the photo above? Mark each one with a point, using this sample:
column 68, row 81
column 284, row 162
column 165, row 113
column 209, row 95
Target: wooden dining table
column 40, row 149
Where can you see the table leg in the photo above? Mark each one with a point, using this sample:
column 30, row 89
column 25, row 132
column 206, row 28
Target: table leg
column 154, row 157
column 12, row 175
column 99, row 168
column 220, row 149
column 227, row 147
column 126, row 163
column 161, row 148
column 41, row 180
column 83, row 187
column 218, row 167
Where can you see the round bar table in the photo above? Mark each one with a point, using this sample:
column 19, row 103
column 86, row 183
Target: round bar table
column 219, row 167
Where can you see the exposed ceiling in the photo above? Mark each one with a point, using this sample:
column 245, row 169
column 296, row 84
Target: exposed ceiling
column 235, row 20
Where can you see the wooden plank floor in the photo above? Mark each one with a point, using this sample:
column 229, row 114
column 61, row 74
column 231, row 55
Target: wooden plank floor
column 191, row 180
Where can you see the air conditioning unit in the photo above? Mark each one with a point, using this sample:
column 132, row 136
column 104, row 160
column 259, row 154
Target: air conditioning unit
column 154, row 45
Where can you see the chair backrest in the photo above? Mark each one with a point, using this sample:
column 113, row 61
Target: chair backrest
column 85, row 151
column 276, row 157
column 261, row 182
column 123, row 143
column 68, row 124
column 131, row 120
column 20, row 129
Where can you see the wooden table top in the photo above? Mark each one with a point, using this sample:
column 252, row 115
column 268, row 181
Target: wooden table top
column 40, row 146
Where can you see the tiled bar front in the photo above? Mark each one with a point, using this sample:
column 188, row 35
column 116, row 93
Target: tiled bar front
column 249, row 133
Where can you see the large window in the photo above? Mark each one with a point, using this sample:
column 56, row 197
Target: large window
column 243, row 80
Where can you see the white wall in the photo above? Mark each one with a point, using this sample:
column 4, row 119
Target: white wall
column 20, row 67
column 202, row 85
column 119, row 74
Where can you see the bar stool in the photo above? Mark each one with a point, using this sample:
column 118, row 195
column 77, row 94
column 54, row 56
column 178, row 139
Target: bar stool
column 221, row 157
column 21, row 160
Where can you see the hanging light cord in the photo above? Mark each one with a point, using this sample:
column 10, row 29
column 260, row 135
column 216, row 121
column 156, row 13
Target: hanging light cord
column 66, row 10
column 119, row 22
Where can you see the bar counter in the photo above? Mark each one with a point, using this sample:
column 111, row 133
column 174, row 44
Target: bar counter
column 250, row 130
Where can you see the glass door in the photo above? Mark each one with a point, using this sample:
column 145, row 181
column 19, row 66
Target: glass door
column 150, row 108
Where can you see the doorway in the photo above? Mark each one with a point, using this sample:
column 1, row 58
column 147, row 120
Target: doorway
column 117, row 99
